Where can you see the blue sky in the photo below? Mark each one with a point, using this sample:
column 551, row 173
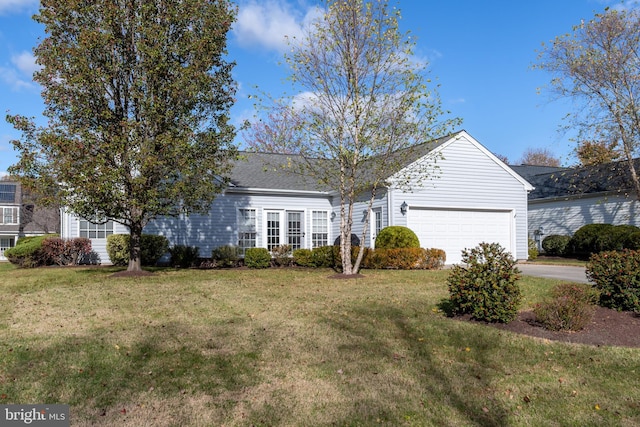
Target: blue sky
column 480, row 52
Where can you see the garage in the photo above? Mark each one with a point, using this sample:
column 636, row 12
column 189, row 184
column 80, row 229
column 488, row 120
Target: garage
column 456, row 229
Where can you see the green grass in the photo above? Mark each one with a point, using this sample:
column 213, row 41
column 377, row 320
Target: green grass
column 558, row 261
column 291, row 347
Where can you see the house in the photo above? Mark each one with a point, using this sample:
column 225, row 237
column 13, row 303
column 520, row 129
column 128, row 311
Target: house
column 474, row 198
column 20, row 216
column 565, row 199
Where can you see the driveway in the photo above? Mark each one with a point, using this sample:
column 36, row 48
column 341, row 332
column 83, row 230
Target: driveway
column 562, row 272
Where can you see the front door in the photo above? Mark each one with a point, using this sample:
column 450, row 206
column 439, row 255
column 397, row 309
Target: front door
column 284, row 228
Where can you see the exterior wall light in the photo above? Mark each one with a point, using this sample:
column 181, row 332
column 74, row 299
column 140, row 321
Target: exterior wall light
column 403, row 208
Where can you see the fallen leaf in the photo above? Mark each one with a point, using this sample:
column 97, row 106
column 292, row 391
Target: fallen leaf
column 123, row 411
column 485, row 409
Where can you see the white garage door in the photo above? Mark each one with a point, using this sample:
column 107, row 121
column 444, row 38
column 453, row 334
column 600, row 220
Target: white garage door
column 456, row 229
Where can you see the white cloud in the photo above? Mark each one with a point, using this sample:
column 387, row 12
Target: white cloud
column 14, row 80
column 10, row 6
column 268, row 24
column 25, row 62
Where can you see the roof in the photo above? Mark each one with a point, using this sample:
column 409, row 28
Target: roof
column 611, row 177
column 255, row 170
column 527, row 171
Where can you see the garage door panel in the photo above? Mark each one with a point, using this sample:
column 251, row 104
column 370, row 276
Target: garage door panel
column 456, row 229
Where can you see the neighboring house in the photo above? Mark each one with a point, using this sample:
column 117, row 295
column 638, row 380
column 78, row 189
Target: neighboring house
column 19, row 217
column 565, row 199
column 474, row 198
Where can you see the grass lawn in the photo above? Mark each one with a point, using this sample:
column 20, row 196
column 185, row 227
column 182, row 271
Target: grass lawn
column 291, row 347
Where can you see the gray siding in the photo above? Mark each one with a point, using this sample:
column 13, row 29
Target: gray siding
column 468, row 177
column 566, row 216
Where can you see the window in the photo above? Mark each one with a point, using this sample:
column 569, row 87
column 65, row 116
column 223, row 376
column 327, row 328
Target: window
column 246, row 229
column 319, row 229
column 5, row 243
column 8, row 193
column 94, row 230
column 8, row 215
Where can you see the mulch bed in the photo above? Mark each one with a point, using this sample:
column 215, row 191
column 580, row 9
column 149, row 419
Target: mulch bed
column 607, row 328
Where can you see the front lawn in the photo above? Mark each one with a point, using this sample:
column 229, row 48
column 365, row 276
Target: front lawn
column 290, row 347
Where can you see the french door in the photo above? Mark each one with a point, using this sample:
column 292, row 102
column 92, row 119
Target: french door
column 284, row 228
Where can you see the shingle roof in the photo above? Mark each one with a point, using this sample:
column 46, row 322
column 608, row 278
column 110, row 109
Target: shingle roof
column 605, row 178
column 270, row 171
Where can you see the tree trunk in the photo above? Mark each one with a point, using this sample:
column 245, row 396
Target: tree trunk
column 135, row 262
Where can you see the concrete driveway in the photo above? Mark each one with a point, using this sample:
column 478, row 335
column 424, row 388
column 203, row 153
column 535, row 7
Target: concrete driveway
column 562, row 272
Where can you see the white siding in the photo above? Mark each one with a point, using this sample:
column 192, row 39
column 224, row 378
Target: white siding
column 566, row 216
column 470, row 178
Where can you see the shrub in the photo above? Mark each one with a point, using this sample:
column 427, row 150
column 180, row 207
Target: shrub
column 584, row 241
column 395, row 237
column 282, row 255
column 614, row 238
column 632, row 241
column 486, row 288
column 556, row 245
column 28, row 253
column 571, row 307
column 533, row 249
column 184, row 256
column 403, row 258
column 433, row 259
column 226, row 256
column 118, row 249
column 616, row 274
column 303, row 258
column 257, row 258
column 326, row 256
column 152, row 247
column 65, row 251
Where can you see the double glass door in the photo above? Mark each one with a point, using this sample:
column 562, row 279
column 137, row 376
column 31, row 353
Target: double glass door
column 285, row 228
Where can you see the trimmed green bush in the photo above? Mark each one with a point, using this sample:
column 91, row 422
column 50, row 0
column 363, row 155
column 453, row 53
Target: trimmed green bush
column 152, row 247
column 585, row 240
column 614, row 238
column 257, row 258
column 303, row 258
column 486, row 287
column 633, row 241
column 616, row 275
column 404, row 258
column 571, row 307
column 118, row 249
column 226, row 256
column 184, row 256
column 28, row 252
column 326, row 257
column 396, row 237
column 556, row 245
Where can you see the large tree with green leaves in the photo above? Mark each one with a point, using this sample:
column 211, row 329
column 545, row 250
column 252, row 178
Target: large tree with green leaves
column 364, row 109
column 598, row 67
column 137, row 97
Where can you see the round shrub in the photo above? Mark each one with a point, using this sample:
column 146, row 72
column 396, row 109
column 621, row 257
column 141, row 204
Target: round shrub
column 571, row 307
column 118, row 249
column 486, row 287
column 257, row 258
column 616, row 275
column 614, row 238
column 585, row 240
column 152, row 247
column 556, row 245
column 226, row 256
column 28, row 252
column 303, row 258
column 184, row 256
column 632, row 241
column 397, row 237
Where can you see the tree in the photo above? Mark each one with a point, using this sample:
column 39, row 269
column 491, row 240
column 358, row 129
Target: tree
column 597, row 152
column 365, row 109
column 598, row 66
column 137, row 97
column 539, row 157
